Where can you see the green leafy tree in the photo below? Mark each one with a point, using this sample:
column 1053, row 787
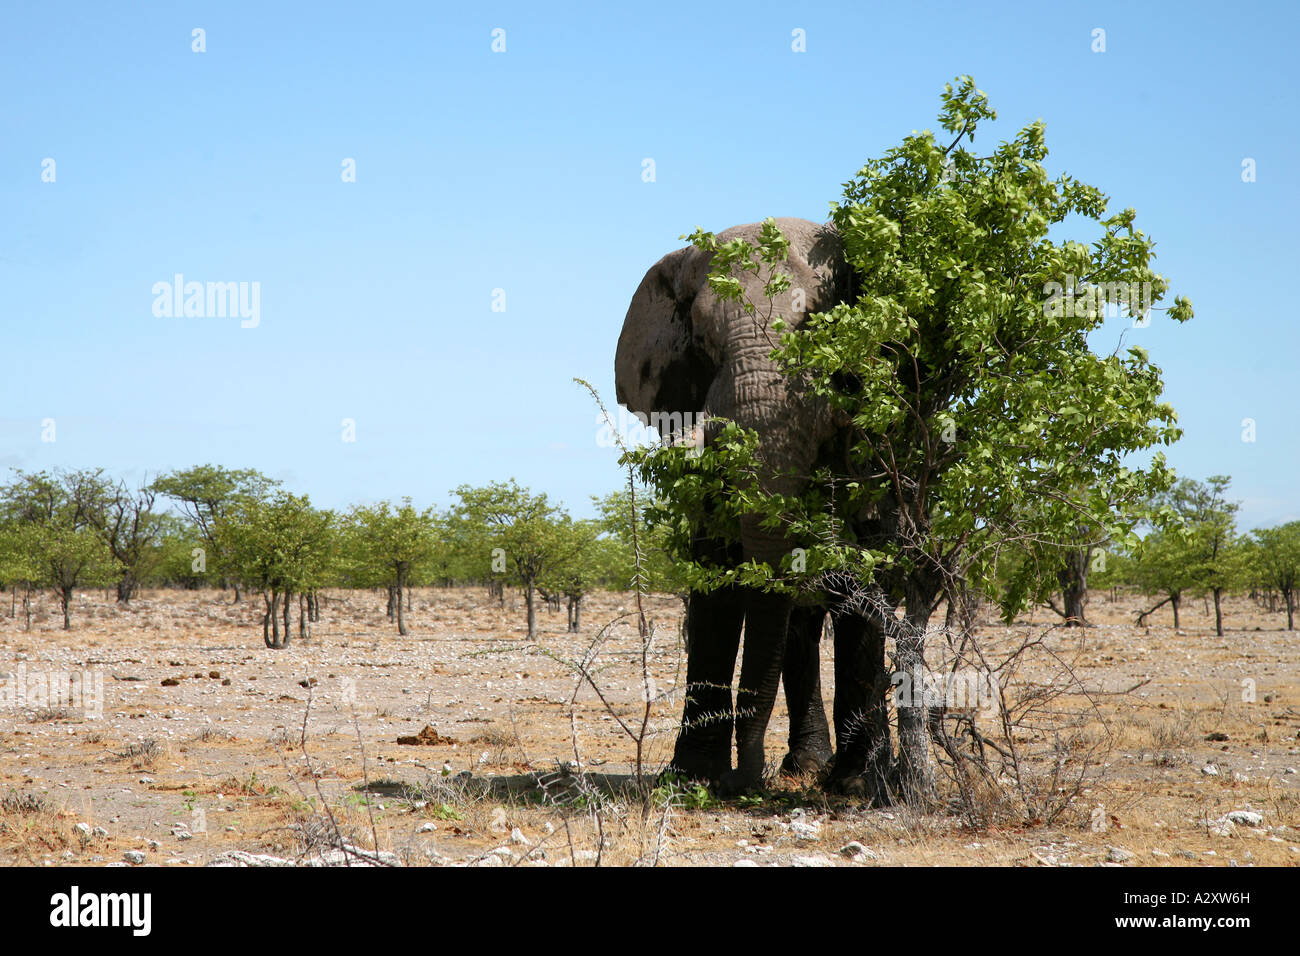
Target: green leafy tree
column 178, row 559
column 280, row 546
column 660, row 571
column 20, row 562
column 396, row 545
column 1164, row 564
column 964, row 370
column 519, row 535
column 1276, row 558
column 1215, row 556
column 585, row 558
column 206, row 493
column 52, row 513
column 125, row 519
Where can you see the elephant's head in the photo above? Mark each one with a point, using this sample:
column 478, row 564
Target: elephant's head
column 684, row 350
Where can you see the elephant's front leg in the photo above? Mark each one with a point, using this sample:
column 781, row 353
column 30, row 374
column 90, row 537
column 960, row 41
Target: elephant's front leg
column 810, row 736
column 713, row 623
column 767, row 617
column 863, row 750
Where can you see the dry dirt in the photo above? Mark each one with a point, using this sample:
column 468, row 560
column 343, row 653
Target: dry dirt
column 197, row 749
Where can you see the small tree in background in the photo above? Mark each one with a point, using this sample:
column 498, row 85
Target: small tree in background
column 1276, row 559
column 280, row 546
column 1163, row 564
column 1214, row 554
column 207, row 493
column 53, row 514
column 519, row 532
column 126, row 521
column 19, row 564
column 396, row 545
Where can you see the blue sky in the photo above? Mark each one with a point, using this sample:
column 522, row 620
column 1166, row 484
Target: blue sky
column 521, row 171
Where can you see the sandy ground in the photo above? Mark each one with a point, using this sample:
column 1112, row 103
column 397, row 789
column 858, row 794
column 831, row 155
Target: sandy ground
column 185, row 773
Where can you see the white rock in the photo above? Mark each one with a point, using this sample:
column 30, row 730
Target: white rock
column 1210, row 770
column 133, row 856
column 1116, row 854
column 241, row 858
column 83, row 830
column 802, row 827
column 517, row 836
column 427, row 828
column 1247, row 818
column 858, row 853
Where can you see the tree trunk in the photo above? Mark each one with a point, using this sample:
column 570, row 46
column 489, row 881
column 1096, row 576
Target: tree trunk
column 65, row 597
column 304, row 630
column 1290, row 610
column 401, row 618
column 1175, row 599
column 392, row 613
column 532, row 611
column 1218, row 613
column 288, row 616
column 27, row 606
column 1073, row 579
column 915, row 774
column 125, row 588
column 237, row 594
column 273, row 615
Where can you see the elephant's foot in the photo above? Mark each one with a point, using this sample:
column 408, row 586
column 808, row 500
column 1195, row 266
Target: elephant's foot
column 738, row 783
column 806, row 763
column 868, row 783
column 705, row 767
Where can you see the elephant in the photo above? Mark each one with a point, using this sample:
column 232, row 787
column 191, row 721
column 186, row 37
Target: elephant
column 684, row 351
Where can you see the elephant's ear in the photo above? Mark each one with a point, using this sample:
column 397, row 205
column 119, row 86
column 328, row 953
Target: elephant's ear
column 660, row 364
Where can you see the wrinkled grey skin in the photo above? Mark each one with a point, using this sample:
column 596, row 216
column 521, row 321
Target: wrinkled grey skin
column 683, row 350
